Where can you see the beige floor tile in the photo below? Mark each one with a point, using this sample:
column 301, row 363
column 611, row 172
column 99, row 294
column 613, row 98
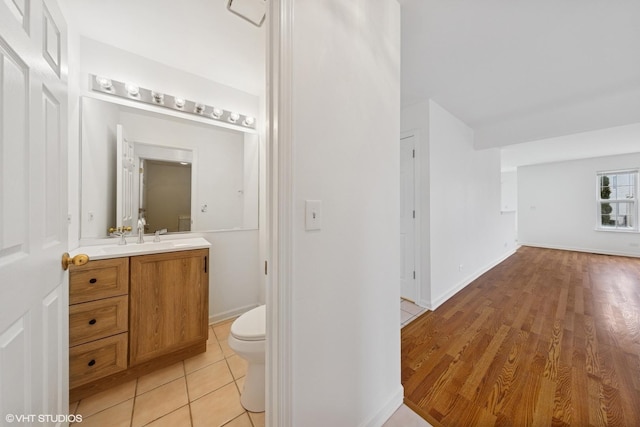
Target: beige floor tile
column 217, row 408
column 115, row 416
column 222, row 330
column 226, row 350
column 178, row 418
column 405, row 316
column 159, row 402
column 212, row 335
column 160, row 377
column 257, row 418
column 405, row 417
column 411, row 307
column 242, row 421
column 240, row 384
column 208, row 379
column 106, row 399
column 237, row 365
column 212, row 355
column 73, row 407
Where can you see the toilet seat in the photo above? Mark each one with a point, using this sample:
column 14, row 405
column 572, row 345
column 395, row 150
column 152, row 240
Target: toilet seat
column 251, row 326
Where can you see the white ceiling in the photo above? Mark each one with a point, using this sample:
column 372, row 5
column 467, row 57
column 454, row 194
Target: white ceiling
column 514, row 71
column 517, row 71
column 198, row 36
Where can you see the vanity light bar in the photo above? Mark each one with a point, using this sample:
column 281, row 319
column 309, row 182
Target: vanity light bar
column 135, row 93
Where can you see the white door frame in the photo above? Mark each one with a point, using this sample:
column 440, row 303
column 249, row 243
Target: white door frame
column 279, row 214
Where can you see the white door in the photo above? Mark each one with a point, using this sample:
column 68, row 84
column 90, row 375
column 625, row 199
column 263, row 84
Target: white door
column 33, row 211
column 408, row 284
column 124, row 180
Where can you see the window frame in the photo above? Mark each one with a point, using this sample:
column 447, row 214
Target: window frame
column 633, row 201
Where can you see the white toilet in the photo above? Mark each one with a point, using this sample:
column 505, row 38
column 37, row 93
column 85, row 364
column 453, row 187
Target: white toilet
column 247, row 339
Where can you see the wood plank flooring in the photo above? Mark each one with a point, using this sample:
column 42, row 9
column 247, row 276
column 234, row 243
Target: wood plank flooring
column 546, row 338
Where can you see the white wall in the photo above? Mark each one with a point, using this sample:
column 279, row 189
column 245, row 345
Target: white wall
column 240, row 276
column 345, row 284
column 509, row 191
column 557, row 206
column 468, row 232
column 463, row 231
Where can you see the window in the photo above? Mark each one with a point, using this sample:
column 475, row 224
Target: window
column 617, row 200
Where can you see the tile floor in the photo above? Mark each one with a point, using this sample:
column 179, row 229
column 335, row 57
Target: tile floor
column 201, row 391
column 409, row 311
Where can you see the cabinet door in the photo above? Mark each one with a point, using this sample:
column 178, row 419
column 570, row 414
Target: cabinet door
column 168, row 303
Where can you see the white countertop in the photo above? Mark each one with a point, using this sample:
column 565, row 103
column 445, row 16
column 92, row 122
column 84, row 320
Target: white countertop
column 96, row 252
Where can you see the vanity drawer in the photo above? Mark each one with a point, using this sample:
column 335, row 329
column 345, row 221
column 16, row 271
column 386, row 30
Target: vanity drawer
column 90, row 321
column 97, row 359
column 98, row 279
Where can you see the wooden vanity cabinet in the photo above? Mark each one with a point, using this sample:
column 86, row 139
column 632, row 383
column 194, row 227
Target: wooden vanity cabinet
column 130, row 316
column 98, row 320
column 168, row 300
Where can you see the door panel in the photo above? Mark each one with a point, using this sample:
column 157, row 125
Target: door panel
column 124, row 181
column 13, row 154
column 33, row 204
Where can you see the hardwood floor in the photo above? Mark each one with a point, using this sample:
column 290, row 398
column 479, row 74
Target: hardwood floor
column 545, row 338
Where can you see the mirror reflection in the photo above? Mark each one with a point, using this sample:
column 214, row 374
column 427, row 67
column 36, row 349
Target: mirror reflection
column 162, row 181
column 174, row 173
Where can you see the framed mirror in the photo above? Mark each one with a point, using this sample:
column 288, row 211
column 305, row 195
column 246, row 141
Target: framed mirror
column 175, row 173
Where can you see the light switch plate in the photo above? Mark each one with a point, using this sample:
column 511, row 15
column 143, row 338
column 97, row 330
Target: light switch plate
column 313, row 220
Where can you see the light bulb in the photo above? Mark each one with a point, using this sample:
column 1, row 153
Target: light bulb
column 217, row 113
column 132, row 89
column 157, row 97
column 104, row 82
column 249, row 121
column 179, row 102
column 233, row 117
column 199, row 109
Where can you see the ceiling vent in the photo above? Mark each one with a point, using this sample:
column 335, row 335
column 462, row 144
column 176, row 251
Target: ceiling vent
column 251, row 10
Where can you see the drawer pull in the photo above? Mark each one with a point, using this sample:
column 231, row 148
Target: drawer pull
column 92, row 281
column 92, row 321
column 92, row 362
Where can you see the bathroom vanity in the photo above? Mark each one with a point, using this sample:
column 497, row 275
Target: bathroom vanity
column 134, row 309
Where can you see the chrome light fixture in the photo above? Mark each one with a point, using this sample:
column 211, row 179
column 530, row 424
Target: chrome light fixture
column 133, row 92
column 104, row 83
column 132, row 89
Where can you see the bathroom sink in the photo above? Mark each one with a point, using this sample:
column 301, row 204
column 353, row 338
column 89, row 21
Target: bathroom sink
column 137, row 247
column 149, row 247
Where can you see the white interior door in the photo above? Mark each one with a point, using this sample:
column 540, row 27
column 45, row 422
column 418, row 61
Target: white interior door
column 125, row 169
column 408, row 283
column 33, row 210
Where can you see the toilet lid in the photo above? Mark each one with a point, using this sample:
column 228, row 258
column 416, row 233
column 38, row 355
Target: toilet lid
column 251, row 325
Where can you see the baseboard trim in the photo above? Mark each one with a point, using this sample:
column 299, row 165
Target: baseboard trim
column 229, row 314
column 587, row 250
column 438, row 302
column 387, row 410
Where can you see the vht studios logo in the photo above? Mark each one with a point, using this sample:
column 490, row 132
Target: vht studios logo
column 43, row 418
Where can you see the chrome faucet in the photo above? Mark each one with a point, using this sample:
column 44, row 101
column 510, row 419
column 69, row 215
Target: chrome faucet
column 120, row 232
column 141, row 224
column 156, row 238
